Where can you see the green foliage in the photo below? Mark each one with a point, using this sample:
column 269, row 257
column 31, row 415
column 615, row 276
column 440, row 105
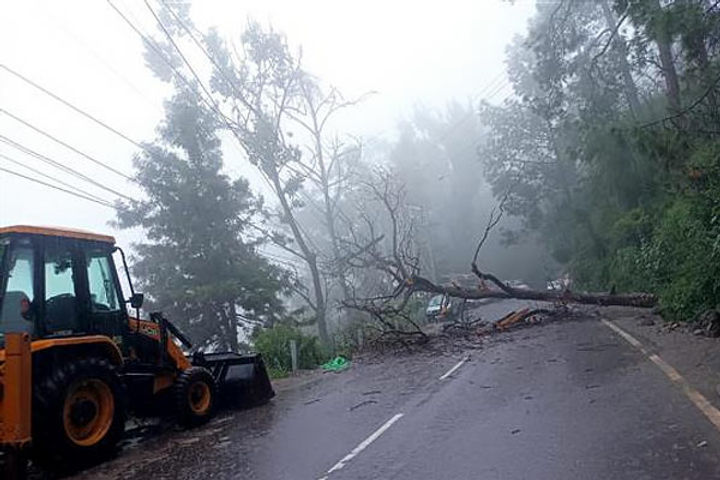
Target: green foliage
column 623, row 200
column 274, row 344
column 196, row 265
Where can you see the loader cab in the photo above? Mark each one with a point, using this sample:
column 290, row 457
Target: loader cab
column 58, row 283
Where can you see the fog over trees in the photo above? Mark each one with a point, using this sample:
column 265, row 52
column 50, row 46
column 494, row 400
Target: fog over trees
column 600, row 165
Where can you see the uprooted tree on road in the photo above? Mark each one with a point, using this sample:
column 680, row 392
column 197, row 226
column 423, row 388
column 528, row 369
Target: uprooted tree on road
column 385, row 246
column 380, row 254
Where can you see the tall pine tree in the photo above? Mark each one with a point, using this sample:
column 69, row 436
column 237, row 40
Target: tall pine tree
column 196, row 264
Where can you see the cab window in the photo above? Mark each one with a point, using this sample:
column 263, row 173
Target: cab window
column 15, row 315
column 103, row 294
column 60, row 301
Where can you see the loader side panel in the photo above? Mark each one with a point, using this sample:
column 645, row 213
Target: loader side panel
column 151, row 331
column 16, row 392
column 104, row 345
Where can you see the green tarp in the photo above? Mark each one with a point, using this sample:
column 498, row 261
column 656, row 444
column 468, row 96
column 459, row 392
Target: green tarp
column 336, row 364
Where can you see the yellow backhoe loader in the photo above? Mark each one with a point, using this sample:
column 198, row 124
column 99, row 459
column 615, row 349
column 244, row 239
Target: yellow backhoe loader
column 74, row 361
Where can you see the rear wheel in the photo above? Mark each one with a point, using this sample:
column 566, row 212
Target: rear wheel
column 78, row 413
column 195, row 396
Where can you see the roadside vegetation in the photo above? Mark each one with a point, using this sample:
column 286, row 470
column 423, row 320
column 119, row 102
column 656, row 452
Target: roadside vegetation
column 609, row 146
column 274, row 344
column 600, row 165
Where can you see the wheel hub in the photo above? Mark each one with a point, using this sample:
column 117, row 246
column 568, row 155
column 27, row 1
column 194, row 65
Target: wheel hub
column 83, row 411
column 88, row 412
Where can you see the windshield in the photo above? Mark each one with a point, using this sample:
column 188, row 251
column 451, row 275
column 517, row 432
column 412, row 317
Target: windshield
column 436, row 300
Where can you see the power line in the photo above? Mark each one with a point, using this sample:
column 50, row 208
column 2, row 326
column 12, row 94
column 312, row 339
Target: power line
column 44, row 175
column 60, row 166
column 70, row 192
column 155, row 48
column 214, row 107
column 58, row 24
column 497, row 90
column 71, row 106
column 218, row 68
column 70, row 147
column 210, row 101
column 192, row 88
column 492, row 84
column 183, row 57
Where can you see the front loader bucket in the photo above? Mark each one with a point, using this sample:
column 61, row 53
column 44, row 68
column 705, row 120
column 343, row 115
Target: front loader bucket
column 241, row 379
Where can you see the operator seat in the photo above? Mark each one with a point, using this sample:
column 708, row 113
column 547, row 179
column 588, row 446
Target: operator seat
column 11, row 319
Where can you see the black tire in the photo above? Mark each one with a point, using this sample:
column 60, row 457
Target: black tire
column 195, row 396
column 78, row 413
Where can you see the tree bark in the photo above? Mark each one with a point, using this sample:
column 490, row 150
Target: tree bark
column 663, row 40
column 307, row 254
column 644, row 300
column 621, row 53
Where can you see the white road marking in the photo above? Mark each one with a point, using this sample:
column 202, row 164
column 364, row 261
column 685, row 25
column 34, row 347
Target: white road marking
column 363, row 445
column 452, row 370
column 702, row 403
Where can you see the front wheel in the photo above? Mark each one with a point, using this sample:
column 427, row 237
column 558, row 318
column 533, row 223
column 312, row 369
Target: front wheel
column 195, row 395
column 78, row 413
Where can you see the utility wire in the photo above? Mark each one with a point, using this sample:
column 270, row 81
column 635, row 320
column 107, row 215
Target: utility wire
column 70, row 192
column 48, row 177
column 183, row 57
column 70, row 147
column 214, row 107
column 71, row 106
column 192, row 88
column 158, row 51
column 210, row 101
column 492, row 84
column 497, row 90
column 58, row 24
column 60, row 166
column 202, row 48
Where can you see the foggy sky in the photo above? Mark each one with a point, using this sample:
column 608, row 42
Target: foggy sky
column 411, row 53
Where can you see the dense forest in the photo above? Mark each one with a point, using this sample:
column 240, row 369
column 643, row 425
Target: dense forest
column 602, row 163
column 609, row 147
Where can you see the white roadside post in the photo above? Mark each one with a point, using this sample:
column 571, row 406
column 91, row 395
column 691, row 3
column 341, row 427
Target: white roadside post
column 293, row 355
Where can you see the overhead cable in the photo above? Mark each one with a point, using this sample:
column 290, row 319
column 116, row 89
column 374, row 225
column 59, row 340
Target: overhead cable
column 69, row 192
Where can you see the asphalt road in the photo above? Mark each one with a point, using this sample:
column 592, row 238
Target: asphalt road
column 568, row 400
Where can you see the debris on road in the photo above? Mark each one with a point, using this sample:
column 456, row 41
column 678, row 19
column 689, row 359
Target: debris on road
column 362, row 404
column 704, row 443
column 372, row 392
column 511, row 318
column 708, row 323
column 337, row 364
column 646, row 322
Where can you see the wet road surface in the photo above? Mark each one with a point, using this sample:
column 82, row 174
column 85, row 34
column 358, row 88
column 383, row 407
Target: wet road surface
column 568, row 400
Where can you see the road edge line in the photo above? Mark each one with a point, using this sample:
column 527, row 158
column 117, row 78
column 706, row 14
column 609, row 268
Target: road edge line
column 697, row 398
column 363, row 445
column 452, row 370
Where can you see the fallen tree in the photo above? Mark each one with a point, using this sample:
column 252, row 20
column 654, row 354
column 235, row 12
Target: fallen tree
column 396, row 266
column 421, row 284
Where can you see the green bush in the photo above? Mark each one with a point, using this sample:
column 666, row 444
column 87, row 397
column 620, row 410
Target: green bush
column 274, row 345
column 687, row 273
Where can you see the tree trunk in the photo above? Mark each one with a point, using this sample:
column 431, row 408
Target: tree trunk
column 663, row 40
column 628, row 300
column 320, row 307
column 696, row 53
column 621, row 53
column 230, row 322
column 307, row 254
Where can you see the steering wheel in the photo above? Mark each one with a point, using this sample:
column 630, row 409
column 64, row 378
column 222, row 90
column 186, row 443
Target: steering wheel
column 53, row 300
